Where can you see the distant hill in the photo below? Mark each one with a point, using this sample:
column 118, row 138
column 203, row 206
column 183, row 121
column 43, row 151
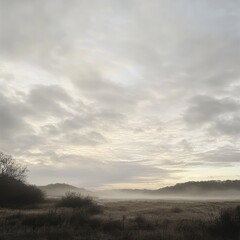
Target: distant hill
column 59, row 189
column 229, row 189
column 196, row 190
column 207, row 187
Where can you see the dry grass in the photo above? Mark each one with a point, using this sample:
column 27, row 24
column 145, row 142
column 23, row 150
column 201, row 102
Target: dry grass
column 133, row 220
column 164, row 209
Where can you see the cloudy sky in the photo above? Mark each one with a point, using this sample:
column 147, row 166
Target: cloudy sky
column 121, row 94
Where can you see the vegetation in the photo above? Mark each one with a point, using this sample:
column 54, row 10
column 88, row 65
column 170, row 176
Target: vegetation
column 76, row 217
column 204, row 186
column 74, row 200
column 124, row 221
column 228, row 224
column 14, row 192
column 10, row 168
column 59, row 189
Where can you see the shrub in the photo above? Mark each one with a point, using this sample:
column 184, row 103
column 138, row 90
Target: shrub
column 14, row 193
column 74, row 200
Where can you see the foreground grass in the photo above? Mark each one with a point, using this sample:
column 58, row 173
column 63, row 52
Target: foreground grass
column 133, row 220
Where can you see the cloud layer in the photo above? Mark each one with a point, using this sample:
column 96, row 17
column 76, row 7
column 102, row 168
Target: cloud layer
column 121, row 93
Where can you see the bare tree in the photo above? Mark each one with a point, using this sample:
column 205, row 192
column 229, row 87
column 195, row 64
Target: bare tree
column 9, row 167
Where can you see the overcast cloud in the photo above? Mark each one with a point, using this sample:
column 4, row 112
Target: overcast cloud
column 129, row 93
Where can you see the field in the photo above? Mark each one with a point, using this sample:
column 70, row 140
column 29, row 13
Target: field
column 133, row 220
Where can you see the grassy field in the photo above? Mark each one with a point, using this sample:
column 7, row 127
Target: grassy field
column 140, row 220
column 167, row 210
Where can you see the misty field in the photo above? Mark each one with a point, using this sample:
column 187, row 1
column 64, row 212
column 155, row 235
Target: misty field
column 138, row 219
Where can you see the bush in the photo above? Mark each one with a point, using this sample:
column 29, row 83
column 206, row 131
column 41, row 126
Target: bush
column 73, row 200
column 14, row 193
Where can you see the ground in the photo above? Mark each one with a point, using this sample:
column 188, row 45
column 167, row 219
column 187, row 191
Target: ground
column 135, row 219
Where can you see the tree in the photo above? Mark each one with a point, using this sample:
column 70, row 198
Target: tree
column 15, row 193
column 10, row 168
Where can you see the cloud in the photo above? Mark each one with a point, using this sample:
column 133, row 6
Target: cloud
column 49, row 101
column 228, row 125
column 205, row 109
column 12, row 113
column 92, row 173
column 88, row 139
column 226, row 155
column 152, row 83
column 220, row 115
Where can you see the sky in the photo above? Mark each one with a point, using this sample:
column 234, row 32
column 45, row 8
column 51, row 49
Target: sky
column 121, row 94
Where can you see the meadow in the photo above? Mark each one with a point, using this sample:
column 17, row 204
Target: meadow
column 123, row 219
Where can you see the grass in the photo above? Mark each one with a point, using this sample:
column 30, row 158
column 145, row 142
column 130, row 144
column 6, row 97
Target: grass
column 133, row 220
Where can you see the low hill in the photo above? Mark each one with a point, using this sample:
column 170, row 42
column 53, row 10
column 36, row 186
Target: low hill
column 202, row 186
column 229, row 189
column 59, row 189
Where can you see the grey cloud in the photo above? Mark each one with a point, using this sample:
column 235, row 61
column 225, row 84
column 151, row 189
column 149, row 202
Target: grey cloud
column 35, row 31
column 49, row 101
column 109, row 95
column 9, row 121
column 12, row 113
column 97, row 136
column 219, row 115
column 27, row 141
column 13, row 127
column 50, row 130
column 119, row 66
column 228, row 125
column 181, row 49
column 91, row 173
column 51, row 92
column 18, row 112
column 88, row 139
column 205, row 109
column 77, row 122
column 91, row 117
column 226, row 155
column 186, row 146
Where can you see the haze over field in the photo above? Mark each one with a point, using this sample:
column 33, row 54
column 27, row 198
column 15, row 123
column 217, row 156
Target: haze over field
column 121, row 94
column 197, row 191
